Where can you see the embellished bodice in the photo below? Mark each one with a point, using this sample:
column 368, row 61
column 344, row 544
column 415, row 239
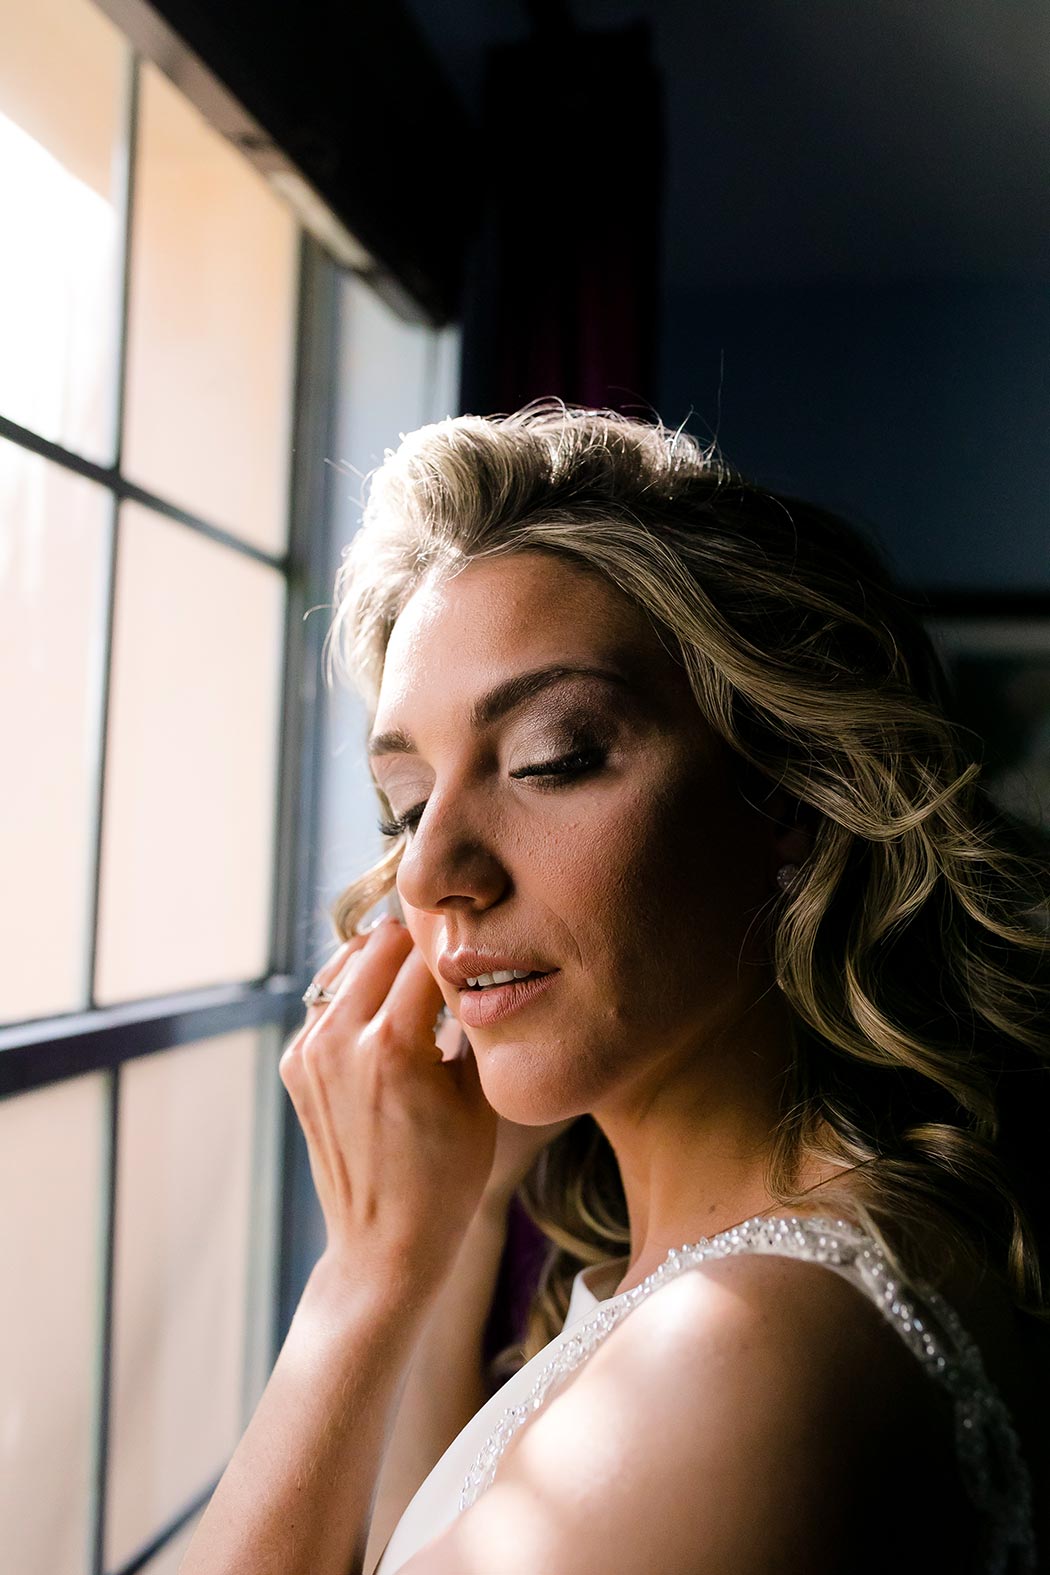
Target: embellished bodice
column 994, row 1473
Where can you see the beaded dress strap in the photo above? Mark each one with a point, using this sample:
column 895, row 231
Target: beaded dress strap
column 993, row 1469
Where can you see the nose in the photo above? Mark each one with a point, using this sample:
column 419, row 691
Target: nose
column 451, row 860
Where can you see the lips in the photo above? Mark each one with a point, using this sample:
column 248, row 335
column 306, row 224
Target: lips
column 458, row 967
column 480, row 1008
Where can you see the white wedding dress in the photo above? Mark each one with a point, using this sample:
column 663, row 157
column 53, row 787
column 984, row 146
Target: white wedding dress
column 993, row 1471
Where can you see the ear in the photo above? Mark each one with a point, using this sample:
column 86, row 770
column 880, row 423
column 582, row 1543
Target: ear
column 793, row 826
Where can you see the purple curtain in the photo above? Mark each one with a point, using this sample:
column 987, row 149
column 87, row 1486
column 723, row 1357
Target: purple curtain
column 519, row 1275
column 563, row 280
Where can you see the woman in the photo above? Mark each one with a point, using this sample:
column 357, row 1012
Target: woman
column 671, row 753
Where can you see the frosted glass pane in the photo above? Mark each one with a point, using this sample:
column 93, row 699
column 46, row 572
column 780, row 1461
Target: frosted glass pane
column 211, row 325
column 391, row 377
column 191, row 773
column 54, row 549
column 270, row 1106
column 180, row 1279
column 61, row 75
column 52, row 1153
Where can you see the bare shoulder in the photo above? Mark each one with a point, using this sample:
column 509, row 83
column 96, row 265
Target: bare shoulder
column 752, row 1414
column 804, row 1326
column 768, row 1350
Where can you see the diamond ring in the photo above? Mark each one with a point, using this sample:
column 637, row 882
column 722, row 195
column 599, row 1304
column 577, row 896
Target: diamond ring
column 316, row 994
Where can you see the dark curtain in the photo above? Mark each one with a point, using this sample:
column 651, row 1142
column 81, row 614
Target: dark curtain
column 519, row 1274
column 562, row 293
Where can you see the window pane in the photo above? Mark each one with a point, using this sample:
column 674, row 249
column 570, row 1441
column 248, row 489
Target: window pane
column 270, row 1105
column 191, row 772
column 211, row 327
column 390, row 377
column 181, row 1277
column 54, row 552
column 52, row 1156
column 61, row 76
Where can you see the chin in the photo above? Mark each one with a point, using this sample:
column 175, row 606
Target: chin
column 520, row 1088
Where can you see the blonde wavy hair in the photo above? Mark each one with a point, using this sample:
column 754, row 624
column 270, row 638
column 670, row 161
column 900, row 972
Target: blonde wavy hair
column 913, row 946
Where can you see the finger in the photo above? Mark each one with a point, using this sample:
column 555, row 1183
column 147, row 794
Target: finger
column 413, row 1001
column 334, row 971
column 330, row 972
column 301, row 1095
column 297, row 1086
column 449, row 1037
column 370, row 971
column 464, row 1069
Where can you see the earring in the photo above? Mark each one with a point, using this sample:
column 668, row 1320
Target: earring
column 786, row 875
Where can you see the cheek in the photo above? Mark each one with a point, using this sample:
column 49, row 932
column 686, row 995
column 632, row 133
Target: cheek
column 592, row 876
column 658, row 884
column 630, row 858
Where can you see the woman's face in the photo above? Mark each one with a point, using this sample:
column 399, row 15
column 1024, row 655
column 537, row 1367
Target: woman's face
column 584, row 825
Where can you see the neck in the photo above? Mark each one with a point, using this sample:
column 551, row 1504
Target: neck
column 693, row 1135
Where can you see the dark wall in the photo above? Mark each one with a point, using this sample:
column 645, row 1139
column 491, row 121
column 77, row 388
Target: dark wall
column 919, row 407
column 857, row 265
column 855, row 277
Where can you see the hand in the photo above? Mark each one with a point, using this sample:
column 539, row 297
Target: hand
column 517, row 1146
column 400, row 1140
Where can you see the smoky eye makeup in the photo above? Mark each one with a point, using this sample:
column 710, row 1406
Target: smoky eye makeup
column 558, row 735
column 557, row 758
column 563, row 722
column 573, row 729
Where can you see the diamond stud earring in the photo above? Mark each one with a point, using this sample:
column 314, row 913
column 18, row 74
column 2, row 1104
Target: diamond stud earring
column 785, row 875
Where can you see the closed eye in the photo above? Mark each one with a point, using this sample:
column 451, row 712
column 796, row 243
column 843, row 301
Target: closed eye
column 568, row 765
column 565, row 767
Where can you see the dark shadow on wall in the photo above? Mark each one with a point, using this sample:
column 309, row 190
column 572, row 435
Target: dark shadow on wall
column 922, row 405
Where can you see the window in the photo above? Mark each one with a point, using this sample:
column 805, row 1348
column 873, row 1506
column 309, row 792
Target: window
column 173, row 824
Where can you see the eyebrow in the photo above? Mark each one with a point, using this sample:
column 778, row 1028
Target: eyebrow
column 504, row 698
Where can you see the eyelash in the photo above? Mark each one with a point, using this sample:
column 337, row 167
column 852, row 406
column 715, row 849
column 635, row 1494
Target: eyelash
column 574, row 765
